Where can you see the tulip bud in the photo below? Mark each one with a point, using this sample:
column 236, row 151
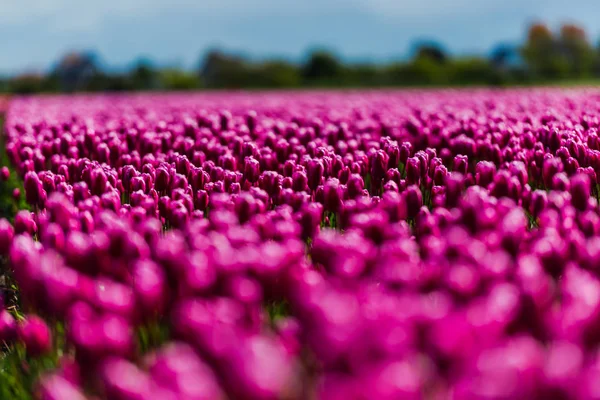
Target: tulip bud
column 4, row 174
column 33, row 188
column 460, row 164
column 551, row 167
column 414, row 201
column 35, row 335
column 299, row 181
column 6, row 236
column 539, row 200
column 251, row 169
column 24, row 223
column 560, row 182
column 405, row 152
column 454, row 188
column 55, row 387
column 315, row 170
column 413, row 170
column 332, row 195
column 484, row 173
column 355, row 186
column 123, row 380
column 580, row 191
column 439, row 175
column 379, row 166
column 8, row 327
column 162, row 181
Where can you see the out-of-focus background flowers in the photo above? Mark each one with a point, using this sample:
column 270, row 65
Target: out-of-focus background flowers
column 67, row 45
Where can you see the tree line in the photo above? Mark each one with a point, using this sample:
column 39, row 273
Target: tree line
column 545, row 56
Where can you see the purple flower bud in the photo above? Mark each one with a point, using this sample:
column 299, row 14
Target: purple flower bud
column 310, row 219
column 539, row 200
column 6, row 236
column 251, row 169
column 332, row 195
column 454, row 188
column 8, row 327
column 460, row 164
column 124, row 381
column 4, row 174
column 201, row 200
column 405, row 152
column 177, row 367
column 138, row 184
column 439, row 175
column 299, row 181
column 99, row 182
column 413, row 170
column 379, row 166
column 484, row 173
column 113, row 297
column 16, row 194
column 35, row 335
column 552, row 166
column 414, row 201
column 33, row 188
column 560, row 182
column 580, row 191
column 163, row 179
column 24, row 223
column 259, row 368
column 390, row 186
column 355, row 186
column 314, row 170
column 55, row 387
column 149, row 287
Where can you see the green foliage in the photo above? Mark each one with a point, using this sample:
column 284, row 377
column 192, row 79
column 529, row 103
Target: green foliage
column 220, row 70
column 277, row 310
column 151, row 336
column 19, row 373
column 431, row 51
column 275, row 74
column 322, row 66
column 174, row 79
column 467, row 71
column 143, row 76
column 422, row 71
column 8, row 206
column 545, row 57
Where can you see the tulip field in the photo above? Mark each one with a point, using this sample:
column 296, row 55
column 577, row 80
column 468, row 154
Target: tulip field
column 359, row 245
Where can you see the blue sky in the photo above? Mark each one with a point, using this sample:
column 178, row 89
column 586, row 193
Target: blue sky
column 33, row 33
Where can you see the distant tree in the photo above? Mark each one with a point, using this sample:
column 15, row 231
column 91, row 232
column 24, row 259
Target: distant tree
column 27, row 83
column 364, row 75
column 471, row 70
column 542, row 53
column 4, row 85
column 431, row 51
column 322, row 67
column 220, row 70
column 503, row 56
column 420, row 72
column 507, row 64
column 75, row 70
column 577, row 50
column 176, row 79
column 276, row 74
column 143, row 76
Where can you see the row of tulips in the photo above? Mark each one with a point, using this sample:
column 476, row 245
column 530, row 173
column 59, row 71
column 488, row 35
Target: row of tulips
column 318, row 245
